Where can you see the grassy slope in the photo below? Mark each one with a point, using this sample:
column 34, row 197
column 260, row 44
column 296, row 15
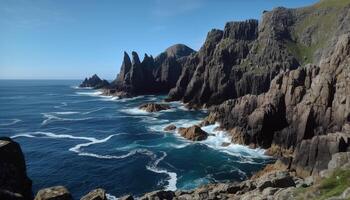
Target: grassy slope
column 329, row 187
column 322, row 26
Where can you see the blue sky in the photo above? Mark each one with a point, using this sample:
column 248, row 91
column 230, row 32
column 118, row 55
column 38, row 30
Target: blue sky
column 72, row 39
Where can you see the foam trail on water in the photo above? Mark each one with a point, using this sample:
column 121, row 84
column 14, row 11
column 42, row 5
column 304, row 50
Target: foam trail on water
column 111, row 197
column 92, row 111
column 63, row 104
column 172, row 175
column 11, row 122
column 50, row 118
column 93, row 94
column 77, row 148
column 65, row 113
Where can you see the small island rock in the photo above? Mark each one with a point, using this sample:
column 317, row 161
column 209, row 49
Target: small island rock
column 194, row 133
column 154, row 107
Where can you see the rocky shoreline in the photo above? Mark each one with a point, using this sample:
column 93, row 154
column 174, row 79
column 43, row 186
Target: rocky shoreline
column 282, row 84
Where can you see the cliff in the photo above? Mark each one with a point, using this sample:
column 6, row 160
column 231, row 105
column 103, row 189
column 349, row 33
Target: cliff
column 244, row 57
column 14, row 182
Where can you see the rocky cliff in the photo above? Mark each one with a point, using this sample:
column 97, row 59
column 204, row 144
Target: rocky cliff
column 94, row 82
column 152, row 75
column 14, row 182
column 244, row 57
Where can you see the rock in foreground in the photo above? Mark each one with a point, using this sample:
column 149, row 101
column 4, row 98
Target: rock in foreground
column 97, row 194
column 154, row 107
column 14, row 183
column 194, row 133
column 54, row 193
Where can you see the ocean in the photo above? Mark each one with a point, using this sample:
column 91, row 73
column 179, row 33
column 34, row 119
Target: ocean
column 77, row 138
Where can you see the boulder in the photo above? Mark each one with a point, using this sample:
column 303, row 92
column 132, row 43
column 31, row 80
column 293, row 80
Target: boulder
column 194, row 133
column 14, row 182
column 97, row 194
column 54, row 193
column 171, row 127
column 154, row 107
column 279, row 179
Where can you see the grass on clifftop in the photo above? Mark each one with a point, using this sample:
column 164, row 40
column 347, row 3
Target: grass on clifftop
column 328, row 187
column 320, row 20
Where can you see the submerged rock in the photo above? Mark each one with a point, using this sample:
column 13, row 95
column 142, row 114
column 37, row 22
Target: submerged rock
column 97, row 194
column 14, row 182
column 194, row 133
column 154, row 107
column 171, row 127
column 54, row 193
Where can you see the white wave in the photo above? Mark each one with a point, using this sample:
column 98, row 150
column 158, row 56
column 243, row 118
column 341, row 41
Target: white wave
column 81, row 88
column 172, row 175
column 65, row 113
column 10, row 122
column 131, row 99
column 51, row 118
column 135, row 111
column 111, row 197
column 93, row 94
column 219, row 137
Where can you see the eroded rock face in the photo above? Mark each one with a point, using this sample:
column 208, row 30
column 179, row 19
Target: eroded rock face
column 54, row 193
column 152, row 75
column 154, row 107
column 194, row 133
column 300, row 107
column 14, row 182
column 94, row 82
column 97, row 194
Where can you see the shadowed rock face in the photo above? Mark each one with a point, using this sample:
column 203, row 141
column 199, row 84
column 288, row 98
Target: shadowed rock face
column 302, row 111
column 14, row 183
column 152, row 75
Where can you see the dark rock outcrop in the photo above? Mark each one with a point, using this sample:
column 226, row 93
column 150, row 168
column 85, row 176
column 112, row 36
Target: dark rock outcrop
column 154, row 107
column 14, row 182
column 194, row 133
column 94, row 82
column 97, row 194
column 152, row 75
column 54, row 193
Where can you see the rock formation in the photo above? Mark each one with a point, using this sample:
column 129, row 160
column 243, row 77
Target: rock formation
column 14, row 182
column 171, row 127
column 154, row 107
column 194, row 133
column 97, row 194
column 302, row 111
column 244, row 57
column 94, row 82
column 152, row 75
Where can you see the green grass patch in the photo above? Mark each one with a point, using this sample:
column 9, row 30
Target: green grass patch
column 336, row 184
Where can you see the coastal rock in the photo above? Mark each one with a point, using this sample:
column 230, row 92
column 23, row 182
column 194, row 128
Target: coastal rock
column 171, row 127
column 94, row 82
column 157, row 195
column 14, row 182
column 194, row 133
column 97, row 194
column 154, row 107
column 126, row 197
column 54, row 193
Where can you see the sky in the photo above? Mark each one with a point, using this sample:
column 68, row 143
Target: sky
column 73, row 39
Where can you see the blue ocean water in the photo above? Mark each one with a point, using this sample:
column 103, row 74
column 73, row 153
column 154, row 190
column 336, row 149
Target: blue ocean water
column 82, row 140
